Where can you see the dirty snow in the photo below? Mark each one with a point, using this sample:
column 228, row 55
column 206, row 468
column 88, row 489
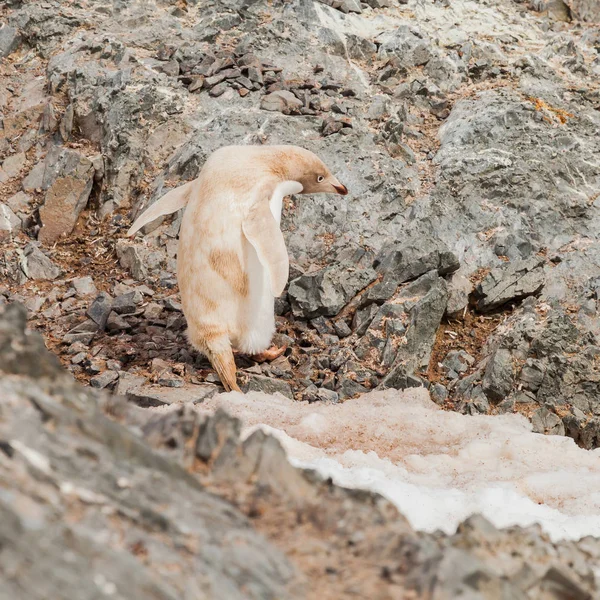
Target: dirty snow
column 438, row 467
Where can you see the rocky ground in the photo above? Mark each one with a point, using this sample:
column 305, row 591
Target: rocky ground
column 465, row 258
column 101, row 498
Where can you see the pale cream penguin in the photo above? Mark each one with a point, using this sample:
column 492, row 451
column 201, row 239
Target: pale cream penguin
column 232, row 261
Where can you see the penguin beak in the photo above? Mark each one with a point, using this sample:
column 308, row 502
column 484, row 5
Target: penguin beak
column 340, row 189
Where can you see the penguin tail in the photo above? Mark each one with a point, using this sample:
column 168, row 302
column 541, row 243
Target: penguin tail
column 217, row 349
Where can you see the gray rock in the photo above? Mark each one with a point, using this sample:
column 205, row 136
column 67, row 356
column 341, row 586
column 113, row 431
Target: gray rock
column 155, row 395
column 19, row 203
column 127, row 303
column 438, row 393
column 407, row 45
column 425, row 302
column 82, row 334
column 9, row 39
column 458, row 361
column 260, row 383
column 327, row 291
column 84, row 286
column 515, row 281
column 362, row 319
column 127, row 473
column 35, row 178
column 585, row 10
column 459, row 290
column 10, row 224
column 23, row 352
column 13, row 165
column 403, row 262
column 102, row 380
column 498, row 379
column 348, row 388
column 100, row 309
column 68, row 179
column 532, row 374
column 281, row 101
column 116, row 322
column 36, row 265
column 342, row 329
column 545, row 421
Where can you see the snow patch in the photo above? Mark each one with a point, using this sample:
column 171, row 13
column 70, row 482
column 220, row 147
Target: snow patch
column 438, row 467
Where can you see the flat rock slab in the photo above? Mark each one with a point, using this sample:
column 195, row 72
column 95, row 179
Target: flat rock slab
column 156, row 395
column 515, row 281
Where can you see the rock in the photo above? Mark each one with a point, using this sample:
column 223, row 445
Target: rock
column 23, row 352
column 68, row 177
column 82, row 334
column 260, row 383
column 403, row 262
column 348, row 6
column 545, row 421
column 348, row 388
column 62, row 436
column 100, row 309
column 155, row 395
column 116, row 322
column 103, row 379
column 425, row 302
column 407, row 45
column 362, row 319
column 66, row 124
column 327, row 291
column 584, row 10
column 20, row 203
column 532, row 374
column 342, row 329
column 458, row 361
column 127, row 303
column 35, row 178
column 13, row 165
column 281, row 101
column 515, row 281
column 459, row 290
column 10, row 224
column 130, row 257
column 9, row 40
column 439, row 393
column 499, row 375
column 84, row 286
column 36, row 265
column 153, row 311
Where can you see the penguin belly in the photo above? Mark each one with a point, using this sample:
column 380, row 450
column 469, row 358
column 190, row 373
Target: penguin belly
column 258, row 325
column 258, row 316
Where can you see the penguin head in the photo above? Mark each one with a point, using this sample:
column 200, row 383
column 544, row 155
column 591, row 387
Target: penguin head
column 310, row 171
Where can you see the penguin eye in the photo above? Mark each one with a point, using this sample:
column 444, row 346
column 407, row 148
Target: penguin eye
column 320, row 179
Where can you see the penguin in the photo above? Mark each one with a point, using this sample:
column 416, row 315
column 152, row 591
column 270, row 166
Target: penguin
column 232, row 260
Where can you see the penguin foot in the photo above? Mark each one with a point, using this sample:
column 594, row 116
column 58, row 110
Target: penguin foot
column 270, row 354
column 220, row 356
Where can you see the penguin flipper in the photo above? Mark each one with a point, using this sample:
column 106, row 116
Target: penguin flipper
column 171, row 202
column 263, row 232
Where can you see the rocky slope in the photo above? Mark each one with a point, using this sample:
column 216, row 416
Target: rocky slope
column 466, row 257
column 101, row 498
